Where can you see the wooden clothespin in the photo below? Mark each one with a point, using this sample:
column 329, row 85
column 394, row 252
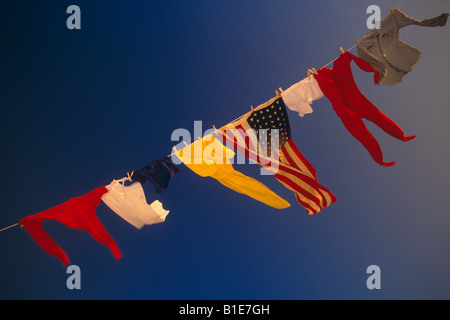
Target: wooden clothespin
column 281, row 90
column 276, row 91
column 314, row 70
column 251, row 107
column 357, row 40
column 185, row 143
column 309, row 74
column 392, row 11
column 128, row 174
column 342, row 50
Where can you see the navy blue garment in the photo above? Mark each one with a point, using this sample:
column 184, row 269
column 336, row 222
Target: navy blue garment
column 159, row 172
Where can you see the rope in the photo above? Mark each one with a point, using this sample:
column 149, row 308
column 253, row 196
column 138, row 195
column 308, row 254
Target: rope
column 215, row 130
column 336, row 58
column 401, row 3
column 9, row 227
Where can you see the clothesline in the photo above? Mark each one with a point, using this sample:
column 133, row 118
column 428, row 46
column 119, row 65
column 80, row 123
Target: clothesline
column 292, row 169
column 401, row 4
column 336, row 58
column 215, row 130
column 398, row 6
column 9, row 227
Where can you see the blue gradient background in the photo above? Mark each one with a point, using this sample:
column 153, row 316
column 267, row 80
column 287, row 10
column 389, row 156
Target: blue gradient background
column 80, row 108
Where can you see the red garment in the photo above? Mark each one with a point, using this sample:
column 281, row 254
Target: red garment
column 78, row 213
column 351, row 106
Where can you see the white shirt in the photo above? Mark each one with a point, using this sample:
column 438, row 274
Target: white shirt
column 130, row 204
column 300, row 95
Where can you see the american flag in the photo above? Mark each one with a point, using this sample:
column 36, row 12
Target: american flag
column 264, row 136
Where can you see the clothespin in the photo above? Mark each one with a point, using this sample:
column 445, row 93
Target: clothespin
column 342, row 50
column 185, row 143
column 314, row 70
column 392, row 11
column 357, row 40
column 281, row 90
column 251, row 107
column 309, row 74
column 128, row 174
column 174, row 151
column 276, row 91
column 214, row 127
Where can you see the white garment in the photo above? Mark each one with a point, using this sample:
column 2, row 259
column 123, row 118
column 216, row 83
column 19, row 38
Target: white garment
column 300, row 95
column 130, row 203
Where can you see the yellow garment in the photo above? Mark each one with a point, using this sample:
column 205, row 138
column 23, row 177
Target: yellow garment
column 210, row 158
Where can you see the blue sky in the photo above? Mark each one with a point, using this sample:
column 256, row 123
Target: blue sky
column 80, row 108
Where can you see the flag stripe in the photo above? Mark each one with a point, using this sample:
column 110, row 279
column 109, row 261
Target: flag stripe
column 294, row 161
column 293, row 185
column 309, row 211
column 300, row 159
column 291, row 168
column 307, row 186
column 302, row 177
column 308, row 204
column 311, row 186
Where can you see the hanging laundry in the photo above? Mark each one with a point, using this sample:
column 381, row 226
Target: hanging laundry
column 78, row 213
column 129, row 202
column 300, row 96
column 351, row 106
column 159, row 172
column 210, row 158
column 285, row 160
column 387, row 53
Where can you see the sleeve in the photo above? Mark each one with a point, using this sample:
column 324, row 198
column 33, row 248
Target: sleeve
column 33, row 225
column 370, row 58
column 363, row 65
column 403, row 20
